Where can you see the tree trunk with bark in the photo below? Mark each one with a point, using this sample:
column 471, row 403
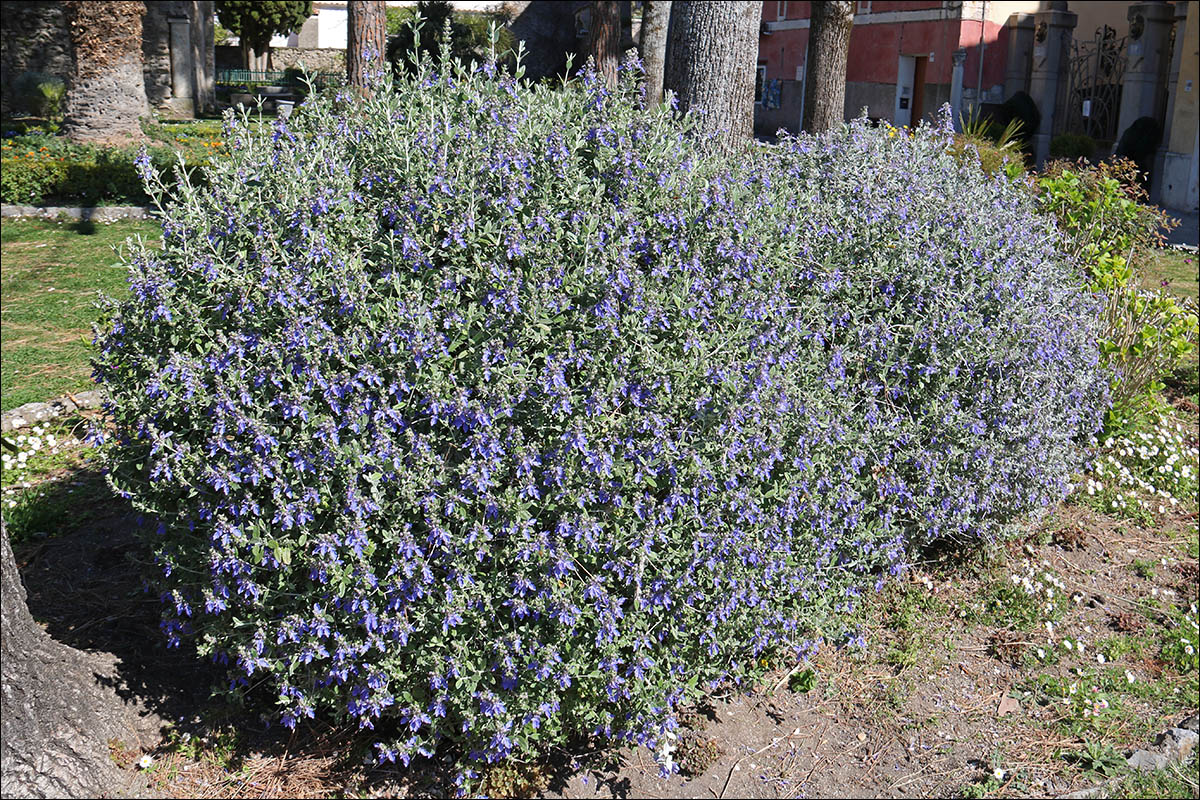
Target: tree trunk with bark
column 828, row 48
column 712, row 49
column 652, row 45
column 366, row 44
column 57, row 722
column 106, row 90
column 604, row 39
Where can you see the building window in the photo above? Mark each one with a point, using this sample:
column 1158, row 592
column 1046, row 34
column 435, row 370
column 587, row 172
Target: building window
column 864, row 7
column 781, row 9
column 760, row 82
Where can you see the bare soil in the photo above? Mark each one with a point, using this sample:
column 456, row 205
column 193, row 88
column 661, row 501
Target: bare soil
column 944, row 694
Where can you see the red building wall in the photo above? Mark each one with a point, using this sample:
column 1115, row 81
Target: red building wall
column 876, row 43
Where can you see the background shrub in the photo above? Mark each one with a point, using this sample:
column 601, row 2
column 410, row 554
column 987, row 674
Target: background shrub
column 1072, row 146
column 1021, row 107
column 1138, row 143
column 491, row 415
column 43, row 170
column 1109, row 230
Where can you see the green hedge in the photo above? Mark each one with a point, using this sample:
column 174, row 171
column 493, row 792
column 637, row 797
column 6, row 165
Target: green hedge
column 44, row 170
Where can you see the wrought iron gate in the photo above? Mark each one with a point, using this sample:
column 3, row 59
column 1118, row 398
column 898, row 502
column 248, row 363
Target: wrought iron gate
column 1092, row 101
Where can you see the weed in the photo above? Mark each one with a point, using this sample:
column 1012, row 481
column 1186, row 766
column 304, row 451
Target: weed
column 1097, row 757
column 804, row 681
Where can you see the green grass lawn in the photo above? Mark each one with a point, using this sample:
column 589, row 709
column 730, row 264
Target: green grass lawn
column 1175, row 267
column 50, row 274
column 1178, row 269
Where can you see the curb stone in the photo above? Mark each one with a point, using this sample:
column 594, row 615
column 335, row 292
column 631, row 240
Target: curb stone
column 84, row 213
column 32, row 413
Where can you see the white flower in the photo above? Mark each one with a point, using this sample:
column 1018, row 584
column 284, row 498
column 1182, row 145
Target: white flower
column 145, row 762
column 1100, row 659
column 999, row 773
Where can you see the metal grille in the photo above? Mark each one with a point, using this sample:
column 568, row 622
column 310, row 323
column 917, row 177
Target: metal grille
column 1093, row 97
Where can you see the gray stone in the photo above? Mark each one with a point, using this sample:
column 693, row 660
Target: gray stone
column 35, row 412
column 1177, row 744
column 1191, row 723
column 1146, row 761
column 92, row 398
column 62, row 405
column 32, row 413
column 313, row 59
column 91, row 213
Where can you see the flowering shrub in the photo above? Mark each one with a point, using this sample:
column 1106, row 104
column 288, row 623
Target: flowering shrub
column 1108, row 230
column 954, row 341
column 493, row 414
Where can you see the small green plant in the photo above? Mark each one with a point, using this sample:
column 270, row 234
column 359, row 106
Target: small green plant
column 803, row 681
column 1082, row 702
column 1024, row 599
column 1181, row 640
column 31, row 500
column 1097, row 757
column 1147, row 466
column 39, row 94
column 1143, row 568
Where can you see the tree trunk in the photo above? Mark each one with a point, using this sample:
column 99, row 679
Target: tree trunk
column 604, row 39
column 106, row 90
column 56, row 722
column 652, row 45
column 367, row 43
column 256, row 60
column 828, row 48
column 712, row 49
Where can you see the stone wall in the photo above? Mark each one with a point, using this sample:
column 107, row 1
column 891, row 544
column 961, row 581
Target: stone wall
column 315, row 59
column 34, row 36
column 162, row 85
column 34, row 39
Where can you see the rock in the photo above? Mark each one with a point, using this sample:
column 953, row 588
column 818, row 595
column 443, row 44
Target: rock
column 1191, row 723
column 1146, row 761
column 35, row 412
column 92, row 398
column 1177, row 744
column 63, row 405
